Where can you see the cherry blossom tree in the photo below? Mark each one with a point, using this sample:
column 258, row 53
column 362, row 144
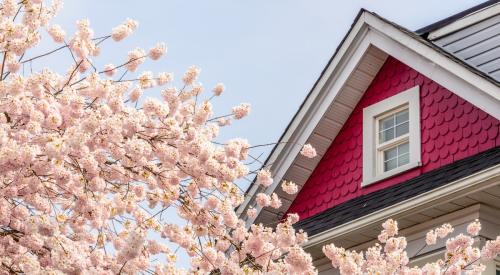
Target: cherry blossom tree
column 89, row 166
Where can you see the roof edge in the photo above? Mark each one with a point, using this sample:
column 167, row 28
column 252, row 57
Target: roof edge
column 450, row 19
column 478, row 179
column 241, row 208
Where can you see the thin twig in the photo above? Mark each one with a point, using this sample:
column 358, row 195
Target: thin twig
column 3, row 65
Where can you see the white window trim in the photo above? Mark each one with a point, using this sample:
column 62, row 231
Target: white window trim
column 411, row 98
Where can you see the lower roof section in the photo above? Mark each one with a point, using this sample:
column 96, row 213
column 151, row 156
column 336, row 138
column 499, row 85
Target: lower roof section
column 364, row 205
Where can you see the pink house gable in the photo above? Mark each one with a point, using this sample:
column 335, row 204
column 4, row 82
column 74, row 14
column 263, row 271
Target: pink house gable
column 451, row 129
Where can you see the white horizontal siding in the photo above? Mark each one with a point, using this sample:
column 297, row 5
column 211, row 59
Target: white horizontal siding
column 477, row 44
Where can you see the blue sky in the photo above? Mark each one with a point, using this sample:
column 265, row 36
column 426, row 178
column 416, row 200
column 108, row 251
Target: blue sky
column 267, row 52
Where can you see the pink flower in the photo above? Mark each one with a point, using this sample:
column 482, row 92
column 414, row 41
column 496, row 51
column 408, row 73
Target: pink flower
column 57, row 33
column 430, row 238
column 191, row 75
column 264, row 178
column 109, row 70
column 13, row 66
column 293, row 218
column 157, row 51
column 382, row 237
column 120, row 32
column 146, row 80
column 211, row 203
column 391, row 227
column 308, row 151
column 218, row 89
column 164, row 78
column 263, row 200
column 123, row 30
column 133, row 246
column 241, row 110
column 491, row 249
column 431, row 269
column 444, row 230
column 476, row 269
column 460, row 241
column 135, row 58
column 289, row 187
column 252, row 213
column 131, row 24
column 275, row 201
column 223, row 121
column 299, row 262
column 474, row 228
column 135, row 94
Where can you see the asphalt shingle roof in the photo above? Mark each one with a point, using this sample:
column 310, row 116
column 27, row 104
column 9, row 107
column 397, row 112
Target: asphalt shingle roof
column 366, row 204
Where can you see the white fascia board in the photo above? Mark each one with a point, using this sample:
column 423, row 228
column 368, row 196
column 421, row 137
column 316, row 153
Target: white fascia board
column 449, row 74
column 312, row 111
column 478, row 181
column 466, row 21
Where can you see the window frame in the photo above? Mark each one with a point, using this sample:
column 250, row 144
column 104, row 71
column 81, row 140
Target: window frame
column 396, row 141
column 373, row 151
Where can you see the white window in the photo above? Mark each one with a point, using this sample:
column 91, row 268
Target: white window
column 391, row 136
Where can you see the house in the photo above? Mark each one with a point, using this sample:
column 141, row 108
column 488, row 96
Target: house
column 407, row 126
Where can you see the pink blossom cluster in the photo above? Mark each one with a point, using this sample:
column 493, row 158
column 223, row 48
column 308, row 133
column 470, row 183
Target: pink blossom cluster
column 390, row 256
column 241, row 110
column 157, row 51
column 57, row 33
column 218, row 89
column 289, row 187
column 88, row 167
column 441, row 232
column 264, row 177
column 308, row 151
column 17, row 36
column 123, row 30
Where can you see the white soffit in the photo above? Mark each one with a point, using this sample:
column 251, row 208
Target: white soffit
column 339, row 89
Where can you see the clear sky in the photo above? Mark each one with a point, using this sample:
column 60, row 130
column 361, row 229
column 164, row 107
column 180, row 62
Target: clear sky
column 267, row 52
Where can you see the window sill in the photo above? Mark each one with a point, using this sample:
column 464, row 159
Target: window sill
column 391, row 173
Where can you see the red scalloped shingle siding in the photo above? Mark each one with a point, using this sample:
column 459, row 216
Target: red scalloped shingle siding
column 451, row 129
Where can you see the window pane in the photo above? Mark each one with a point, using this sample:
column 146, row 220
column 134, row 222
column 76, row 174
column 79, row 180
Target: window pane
column 394, row 126
column 386, row 123
column 403, row 159
column 391, row 164
column 396, row 156
column 390, row 154
column 402, row 129
column 386, row 135
column 402, row 116
column 404, row 148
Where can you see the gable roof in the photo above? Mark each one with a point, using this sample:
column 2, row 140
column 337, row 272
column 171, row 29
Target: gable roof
column 472, row 36
column 342, row 83
column 451, row 56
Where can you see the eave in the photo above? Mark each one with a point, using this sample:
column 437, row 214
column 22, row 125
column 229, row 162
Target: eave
column 432, row 189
